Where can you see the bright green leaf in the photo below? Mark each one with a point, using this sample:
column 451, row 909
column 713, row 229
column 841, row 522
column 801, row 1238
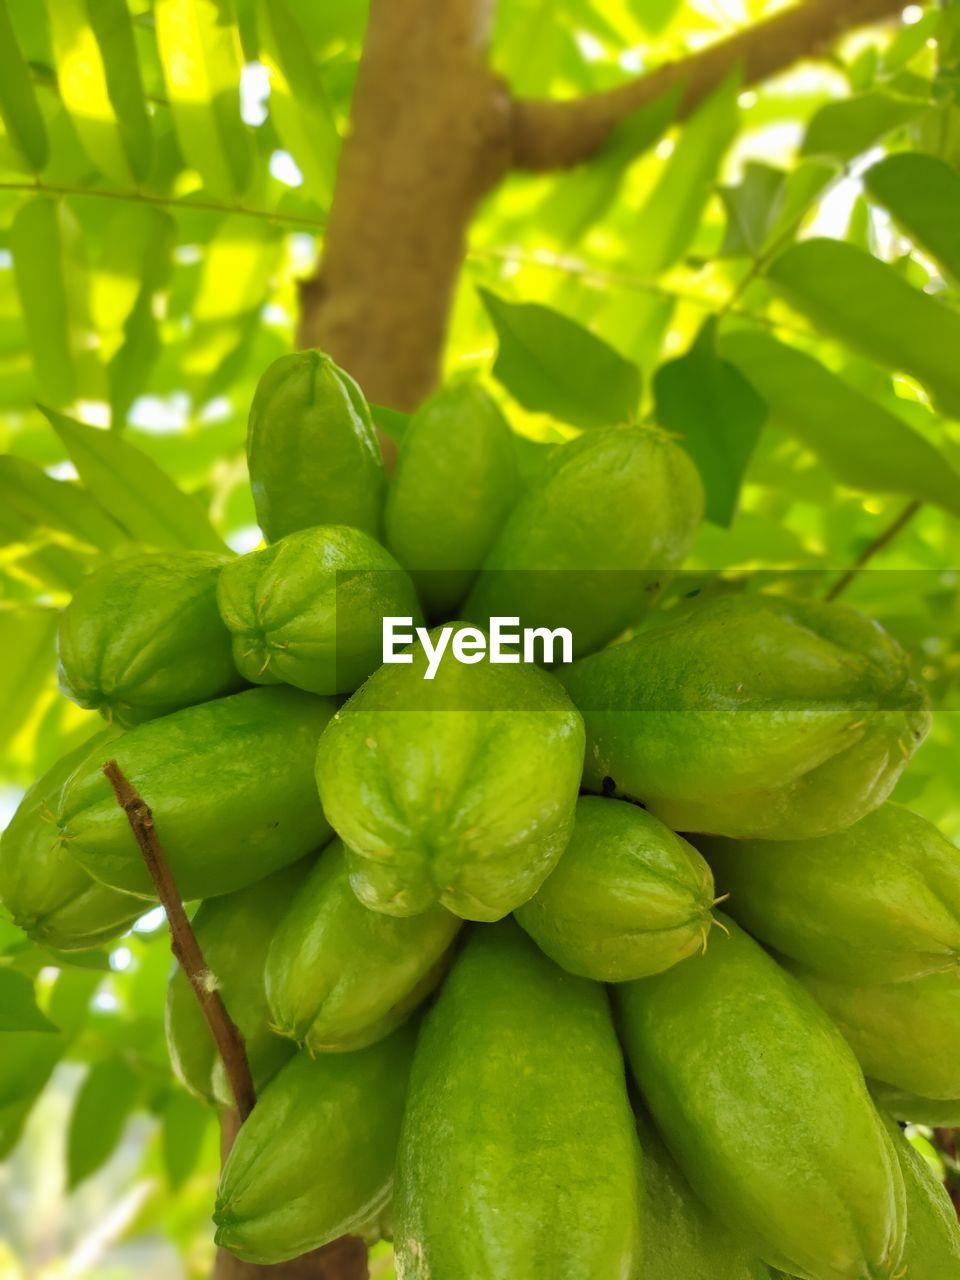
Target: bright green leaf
column 553, row 365
column 752, row 206
column 185, row 1122
column 18, row 1005
column 868, row 305
column 28, row 644
column 843, row 130
column 104, row 1103
column 656, row 15
column 923, row 196
column 19, row 111
column 864, row 445
column 717, row 416
column 133, row 489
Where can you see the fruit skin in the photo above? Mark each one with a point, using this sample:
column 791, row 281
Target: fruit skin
column 879, row 902
column 142, row 637
column 751, row 717
column 455, row 481
column 932, row 1250
column 231, row 787
column 308, row 609
column 729, row 1045
column 682, row 1240
column 48, row 894
column 340, row 977
column 589, row 542
column 234, row 933
column 912, row 1109
column 517, row 1087
column 315, row 1158
column 312, row 450
column 906, row 1034
column 458, row 790
column 627, row 899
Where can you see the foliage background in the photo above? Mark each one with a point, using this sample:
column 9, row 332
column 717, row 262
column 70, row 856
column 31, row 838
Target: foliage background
column 165, row 172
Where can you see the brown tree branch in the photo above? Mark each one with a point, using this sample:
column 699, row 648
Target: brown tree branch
column 882, row 540
column 183, row 941
column 556, row 135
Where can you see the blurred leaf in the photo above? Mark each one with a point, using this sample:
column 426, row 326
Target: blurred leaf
column 553, row 365
column 923, row 196
column 99, row 80
column 867, row 304
column 843, row 130
column 863, row 444
column 28, row 644
column 391, row 422
column 185, row 1122
column 752, row 207
column 656, row 15
column 200, row 51
column 18, row 102
column 133, row 489
column 18, row 1005
column 668, row 221
column 104, row 1103
column 717, row 416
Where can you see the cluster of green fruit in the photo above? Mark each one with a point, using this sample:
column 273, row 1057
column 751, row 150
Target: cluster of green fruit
column 617, row 1082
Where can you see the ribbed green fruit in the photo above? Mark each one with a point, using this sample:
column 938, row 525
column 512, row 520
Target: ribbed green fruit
column 308, row 610
column 627, row 899
column 518, row 1155
column 142, row 637
column 48, row 894
column 749, row 716
column 458, row 790
column 455, row 481
column 312, row 450
column 879, row 902
column 231, row 787
column 341, row 977
column 906, row 1034
column 910, row 1108
column 764, row 1108
column 315, row 1158
column 682, row 1240
column 234, row 933
column 932, row 1250
column 590, row 540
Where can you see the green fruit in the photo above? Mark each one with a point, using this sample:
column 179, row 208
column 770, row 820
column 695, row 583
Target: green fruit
column 682, row 1240
column 749, row 716
column 518, row 1156
column 932, row 1250
column 906, row 1034
column 314, row 1160
column 234, row 933
column 455, row 481
column 312, row 450
column 231, row 787
column 48, row 894
column 879, row 902
column 765, row 1110
column 458, row 790
column 142, row 637
column 590, row 541
column 339, row 976
column 627, row 899
column 912, row 1109
column 308, row 610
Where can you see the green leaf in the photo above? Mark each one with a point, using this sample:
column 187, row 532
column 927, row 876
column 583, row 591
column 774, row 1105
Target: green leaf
column 868, row 305
column 185, row 1122
column 18, row 1005
column 28, row 638
column 923, row 196
column 19, row 111
column 668, row 221
column 863, row 444
column 751, row 207
column 99, row 79
column 843, row 130
column 391, row 422
column 200, row 52
column 717, row 416
column 133, row 489
column 299, row 106
column 103, row 1105
column 553, row 365
column 656, row 15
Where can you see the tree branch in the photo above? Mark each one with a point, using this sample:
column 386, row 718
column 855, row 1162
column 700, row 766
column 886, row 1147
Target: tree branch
column 883, row 539
column 556, row 135
column 183, row 941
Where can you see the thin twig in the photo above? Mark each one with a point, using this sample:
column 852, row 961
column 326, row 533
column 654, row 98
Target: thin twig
column 183, row 941
column 883, row 539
